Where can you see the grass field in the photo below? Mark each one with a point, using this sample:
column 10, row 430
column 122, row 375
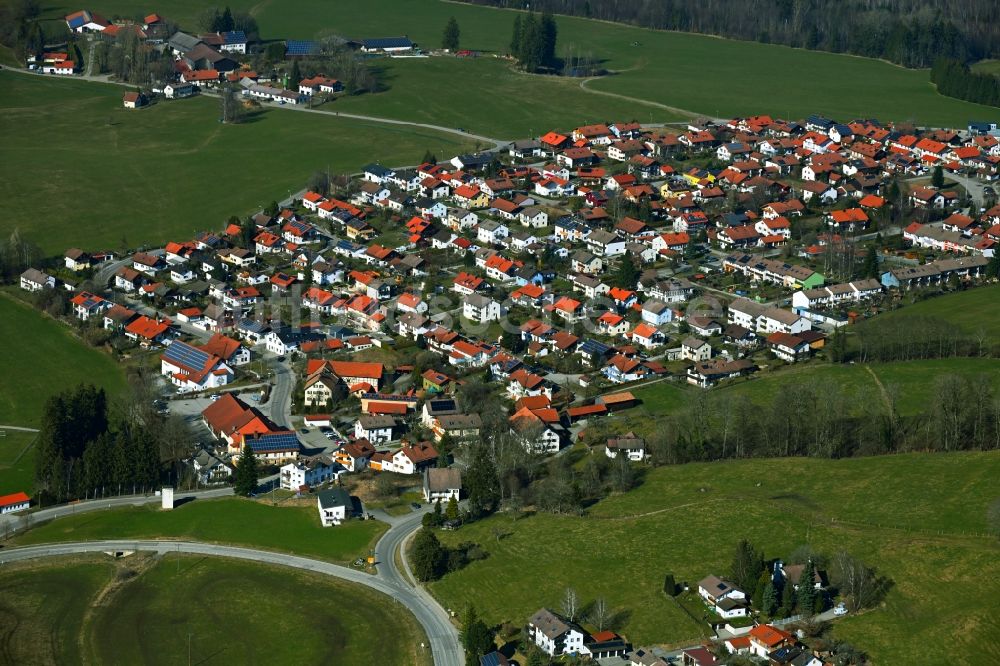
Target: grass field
column 42, row 609
column 231, row 521
column 974, row 311
column 79, row 170
column 487, row 96
column 912, row 381
column 88, row 610
column 17, row 474
column 700, row 73
column 910, row 515
column 49, row 359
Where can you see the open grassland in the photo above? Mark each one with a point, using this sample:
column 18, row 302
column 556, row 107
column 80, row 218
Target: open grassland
column 975, row 311
column 292, row 529
column 699, row 73
column 920, row 519
column 488, row 96
column 42, row 609
column 80, row 170
column 912, row 383
column 161, row 610
column 17, row 462
column 243, row 612
column 48, row 359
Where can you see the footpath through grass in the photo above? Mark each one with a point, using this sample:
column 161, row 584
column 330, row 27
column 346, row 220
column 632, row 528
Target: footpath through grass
column 240, row 522
column 149, row 610
column 41, row 358
column 80, row 170
column 700, row 73
column 919, row 518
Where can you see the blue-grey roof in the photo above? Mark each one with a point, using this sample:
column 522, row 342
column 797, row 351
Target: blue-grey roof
column 387, row 43
column 333, row 498
column 182, row 353
column 234, row 37
column 296, row 47
column 593, row 347
column 272, row 442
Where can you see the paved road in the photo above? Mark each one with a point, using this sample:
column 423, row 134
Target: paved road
column 442, row 634
column 389, row 580
column 104, row 275
column 12, row 522
column 280, row 402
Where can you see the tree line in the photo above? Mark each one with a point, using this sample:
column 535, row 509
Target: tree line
column 822, row 419
column 89, row 446
column 912, row 33
column 954, row 79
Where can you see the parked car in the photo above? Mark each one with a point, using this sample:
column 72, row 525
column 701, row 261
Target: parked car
column 414, row 505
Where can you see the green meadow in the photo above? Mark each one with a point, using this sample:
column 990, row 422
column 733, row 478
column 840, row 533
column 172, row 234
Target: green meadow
column 79, row 170
column 919, row 518
column 190, row 609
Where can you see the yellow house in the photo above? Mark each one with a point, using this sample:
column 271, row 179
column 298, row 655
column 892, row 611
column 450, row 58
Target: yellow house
column 699, row 177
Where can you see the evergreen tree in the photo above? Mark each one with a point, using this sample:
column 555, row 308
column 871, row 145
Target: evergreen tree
column 746, row 567
column 627, row 274
column 806, row 592
column 477, row 639
column 430, row 158
column 993, row 267
column 451, row 513
column 536, row 658
column 787, row 599
column 449, row 40
column 769, row 601
column 226, row 23
column 758, row 594
column 870, row 267
column 515, row 38
column 296, row 75
column 245, row 482
column 937, row 177
column 248, row 231
column 272, row 209
column 428, row 556
column 669, row 585
column 548, row 33
column 480, row 482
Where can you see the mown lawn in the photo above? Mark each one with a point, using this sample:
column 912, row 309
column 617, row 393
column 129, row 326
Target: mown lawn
column 231, row 521
column 233, row 611
column 48, row 359
column 912, row 516
column 80, row 170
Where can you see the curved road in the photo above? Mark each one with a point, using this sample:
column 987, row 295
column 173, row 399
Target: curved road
column 443, row 635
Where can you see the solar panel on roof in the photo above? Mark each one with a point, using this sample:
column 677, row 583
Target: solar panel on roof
column 300, row 47
column 185, row 354
column 274, row 442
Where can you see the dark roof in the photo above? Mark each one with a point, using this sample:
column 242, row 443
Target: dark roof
column 387, row 43
column 298, row 47
column 334, row 497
